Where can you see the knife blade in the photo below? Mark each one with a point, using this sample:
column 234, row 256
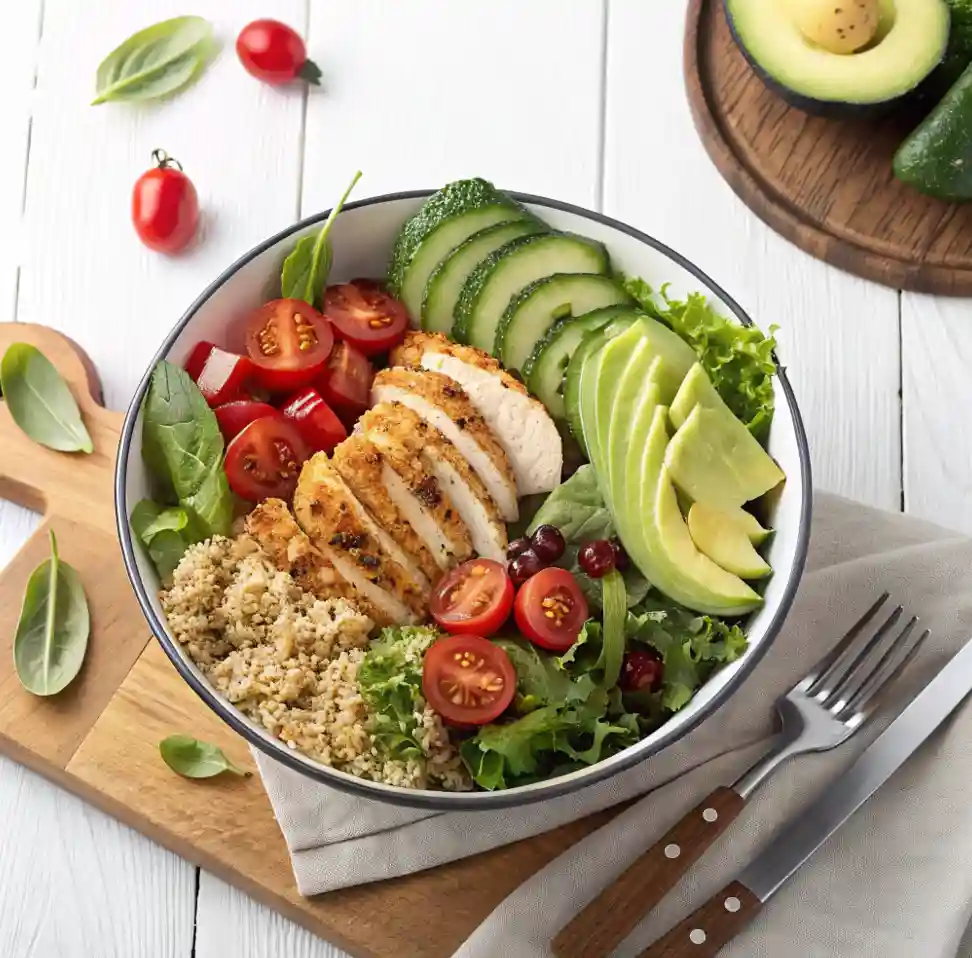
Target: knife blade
column 885, row 755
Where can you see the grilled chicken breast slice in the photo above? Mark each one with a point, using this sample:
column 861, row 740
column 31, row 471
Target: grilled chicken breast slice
column 339, row 525
column 442, row 403
column 403, row 434
column 273, row 526
column 522, row 425
column 380, row 489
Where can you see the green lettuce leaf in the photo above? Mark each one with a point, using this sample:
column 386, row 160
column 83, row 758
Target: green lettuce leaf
column 390, row 680
column 576, row 507
column 738, row 359
column 540, row 680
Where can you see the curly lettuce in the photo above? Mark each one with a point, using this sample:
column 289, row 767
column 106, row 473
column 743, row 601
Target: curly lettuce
column 738, row 359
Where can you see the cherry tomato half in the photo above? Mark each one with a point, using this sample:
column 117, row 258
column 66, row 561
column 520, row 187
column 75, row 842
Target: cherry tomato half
column 550, row 609
column 273, row 52
column 346, row 382
column 222, row 377
column 473, row 598
column 315, row 420
column 264, row 460
column 165, row 207
column 234, row 417
column 365, row 316
column 289, row 343
column 468, row 680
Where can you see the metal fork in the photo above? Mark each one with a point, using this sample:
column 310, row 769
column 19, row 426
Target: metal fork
column 830, row 704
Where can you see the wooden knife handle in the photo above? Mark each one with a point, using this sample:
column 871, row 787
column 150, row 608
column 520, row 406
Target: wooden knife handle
column 613, row 915
column 707, row 931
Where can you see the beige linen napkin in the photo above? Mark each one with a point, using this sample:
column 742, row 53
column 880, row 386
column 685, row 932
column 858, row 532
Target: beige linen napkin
column 895, row 881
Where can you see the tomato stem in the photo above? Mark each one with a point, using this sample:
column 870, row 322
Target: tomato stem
column 165, row 162
column 310, row 72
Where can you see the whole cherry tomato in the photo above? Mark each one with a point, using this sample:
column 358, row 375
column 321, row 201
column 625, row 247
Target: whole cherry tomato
column 165, row 208
column 273, row 52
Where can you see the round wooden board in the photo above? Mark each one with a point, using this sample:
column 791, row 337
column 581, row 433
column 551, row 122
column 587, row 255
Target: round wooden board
column 824, row 184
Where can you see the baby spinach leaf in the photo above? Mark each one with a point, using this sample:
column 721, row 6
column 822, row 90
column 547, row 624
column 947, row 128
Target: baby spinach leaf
column 165, row 532
column 40, row 401
column 52, row 635
column 156, row 61
column 306, row 269
column 191, row 758
column 183, row 448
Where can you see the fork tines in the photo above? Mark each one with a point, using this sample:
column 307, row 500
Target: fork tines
column 849, row 677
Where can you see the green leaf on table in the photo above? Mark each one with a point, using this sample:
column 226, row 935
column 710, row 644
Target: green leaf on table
column 156, row 61
column 306, row 268
column 52, row 634
column 191, row 758
column 40, row 401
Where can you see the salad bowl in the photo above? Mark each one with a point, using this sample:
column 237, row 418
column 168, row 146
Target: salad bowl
column 362, row 238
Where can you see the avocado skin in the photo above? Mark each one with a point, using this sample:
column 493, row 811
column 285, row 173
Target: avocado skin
column 830, row 109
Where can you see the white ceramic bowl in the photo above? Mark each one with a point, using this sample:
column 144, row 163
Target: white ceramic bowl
column 362, row 239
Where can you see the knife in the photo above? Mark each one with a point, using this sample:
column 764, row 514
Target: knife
column 704, row 933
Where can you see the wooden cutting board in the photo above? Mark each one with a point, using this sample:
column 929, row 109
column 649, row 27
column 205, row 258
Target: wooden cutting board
column 99, row 738
column 824, row 184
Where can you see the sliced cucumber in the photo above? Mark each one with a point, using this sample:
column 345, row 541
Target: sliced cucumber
column 447, row 219
column 544, row 371
column 588, row 347
column 446, row 282
column 535, row 309
column 499, row 277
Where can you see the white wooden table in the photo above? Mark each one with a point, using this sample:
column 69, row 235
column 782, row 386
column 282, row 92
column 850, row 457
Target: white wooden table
column 582, row 101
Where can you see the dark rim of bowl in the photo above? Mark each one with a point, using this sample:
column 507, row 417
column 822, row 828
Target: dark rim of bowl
column 425, row 798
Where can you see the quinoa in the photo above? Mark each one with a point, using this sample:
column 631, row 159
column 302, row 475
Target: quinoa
column 289, row 660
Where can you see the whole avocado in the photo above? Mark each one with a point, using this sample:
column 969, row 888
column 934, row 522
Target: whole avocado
column 936, row 159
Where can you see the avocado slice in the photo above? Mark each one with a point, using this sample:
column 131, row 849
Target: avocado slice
column 750, row 525
column 714, row 458
column 653, row 531
column 721, row 537
column 832, row 57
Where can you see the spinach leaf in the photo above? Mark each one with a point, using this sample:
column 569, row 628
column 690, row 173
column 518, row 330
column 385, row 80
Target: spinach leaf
column 165, row 532
column 191, row 758
column 52, row 634
column 183, row 448
column 540, row 680
column 576, row 507
column 156, row 61
column 40, row 401
column 306, row 269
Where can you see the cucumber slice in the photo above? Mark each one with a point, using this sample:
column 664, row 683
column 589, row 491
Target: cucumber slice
column 544, row 371
column 587, row 349
column 535, row 309
column 447, row 219
column 499, row 277
column 446, row 282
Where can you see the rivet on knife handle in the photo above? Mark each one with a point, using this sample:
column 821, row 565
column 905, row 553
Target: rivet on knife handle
column 707, row 931
column 613, row 915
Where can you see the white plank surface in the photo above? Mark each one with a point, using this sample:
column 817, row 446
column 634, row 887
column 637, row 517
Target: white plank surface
column 839, row 335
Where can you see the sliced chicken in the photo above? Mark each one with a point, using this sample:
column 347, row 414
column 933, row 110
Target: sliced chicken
column 442, row 403
column 403, row 435
column 522, row 425
column 360, row 550
column 291, row 551
column 396, row 509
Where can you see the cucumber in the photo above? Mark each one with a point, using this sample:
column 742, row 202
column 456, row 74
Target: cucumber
column 544, row 371
column 535, row 309
column 498, row 278
column 445, row 284
column 447, row 219
column 587, row 348
column 937, row 158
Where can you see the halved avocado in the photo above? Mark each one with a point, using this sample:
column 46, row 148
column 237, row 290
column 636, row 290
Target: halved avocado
column 841, row 57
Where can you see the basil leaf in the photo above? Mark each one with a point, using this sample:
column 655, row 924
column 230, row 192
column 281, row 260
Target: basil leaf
column 165, row 532
column 156, row 61
column 306, row 268
column 192, row 758
column 52, row 635
column 183, row 448
column 40, row 401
